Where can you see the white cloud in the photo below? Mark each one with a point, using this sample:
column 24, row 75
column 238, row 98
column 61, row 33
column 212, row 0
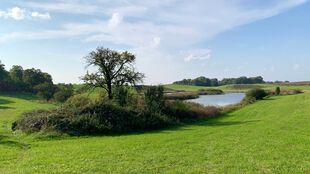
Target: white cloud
column 199, row 54
column 115, row 20
column 40, row 15
column 17, row 13
column 179, row 23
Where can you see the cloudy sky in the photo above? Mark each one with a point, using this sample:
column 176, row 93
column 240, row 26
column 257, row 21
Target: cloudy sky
column 172, row 39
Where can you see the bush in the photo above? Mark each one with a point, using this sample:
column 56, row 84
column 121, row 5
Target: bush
column 79, row 116
column 63, row 92
column 78, row 102
column 278, row 91
column 257, row 94
column 154, row 99
column 41, row 120
column 186, row 110
column 122, row 95
column 210, row 92
column 45, row 90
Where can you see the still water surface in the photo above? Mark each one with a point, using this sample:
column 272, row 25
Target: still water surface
column 219, row 100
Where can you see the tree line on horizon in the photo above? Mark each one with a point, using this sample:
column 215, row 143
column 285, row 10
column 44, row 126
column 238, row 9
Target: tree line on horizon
column 204, row 81
column 18, row 79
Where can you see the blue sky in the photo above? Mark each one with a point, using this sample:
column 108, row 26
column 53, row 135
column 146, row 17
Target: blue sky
column 172, row 39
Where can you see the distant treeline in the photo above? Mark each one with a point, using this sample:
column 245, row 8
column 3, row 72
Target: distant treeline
column 203, row 81
column 18, row 79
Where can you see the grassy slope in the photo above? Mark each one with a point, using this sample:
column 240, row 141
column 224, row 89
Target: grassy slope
column 229, row 88
column 271, row 136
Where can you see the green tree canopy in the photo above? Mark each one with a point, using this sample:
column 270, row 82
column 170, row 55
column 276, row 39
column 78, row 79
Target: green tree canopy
column 112, row 68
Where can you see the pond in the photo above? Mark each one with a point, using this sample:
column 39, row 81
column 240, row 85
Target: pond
column 219, row 100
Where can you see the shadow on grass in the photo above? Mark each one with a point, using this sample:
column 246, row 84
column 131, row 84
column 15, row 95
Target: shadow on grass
column 185, row 126
column 10, row 143
column 20, row 95
column 6, row 107
column 5, row 102
column 269, row 99
column 223, row 123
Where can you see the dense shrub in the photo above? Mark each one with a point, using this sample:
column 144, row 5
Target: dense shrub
column 187, row 110
column 210, row 92
column 45, row 90
column 81, row 116
column 278, row 91
column 122, row 95
column 154, row 99
column 258, row 94
column 42, row 120
column 78, row 102
column 63, row 92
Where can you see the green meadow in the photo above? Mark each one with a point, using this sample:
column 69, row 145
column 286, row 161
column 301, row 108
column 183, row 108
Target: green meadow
column 270, row 136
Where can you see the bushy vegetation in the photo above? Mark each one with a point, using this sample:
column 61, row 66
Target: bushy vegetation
column 187, row 110
column 63, row 92
column 203, row 81
column 82, row 115
column 257, row 94
column 210, row 92
column 278, row 91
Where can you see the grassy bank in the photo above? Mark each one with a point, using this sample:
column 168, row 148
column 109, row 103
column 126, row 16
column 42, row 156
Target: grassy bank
column 270, row 136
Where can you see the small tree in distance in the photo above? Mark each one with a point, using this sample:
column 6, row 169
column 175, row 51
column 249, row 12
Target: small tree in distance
column 278, row 90
column 113, row 69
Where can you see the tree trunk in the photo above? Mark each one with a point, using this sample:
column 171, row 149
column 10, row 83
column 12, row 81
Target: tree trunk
column 110, row 90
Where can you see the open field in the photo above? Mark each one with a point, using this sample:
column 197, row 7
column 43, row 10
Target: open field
column 240, row 88
column 270, row 136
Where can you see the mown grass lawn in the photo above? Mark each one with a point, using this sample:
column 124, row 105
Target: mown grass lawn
column 270, row 136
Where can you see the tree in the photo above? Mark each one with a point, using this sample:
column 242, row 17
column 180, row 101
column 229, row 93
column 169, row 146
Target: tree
column 214, row 82
column 16, row 73
column 4, row 78
column 45, row 90
column 33, row 77
column 113, row 69
column 278, row 90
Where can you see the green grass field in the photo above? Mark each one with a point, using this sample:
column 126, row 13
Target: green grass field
column 270, row 136
column 230, row 88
